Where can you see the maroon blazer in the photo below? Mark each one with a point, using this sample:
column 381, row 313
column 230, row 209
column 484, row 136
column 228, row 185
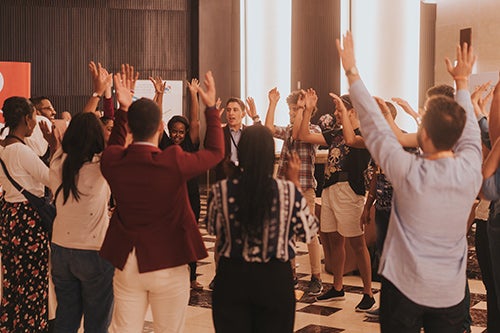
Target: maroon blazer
column 152, row 212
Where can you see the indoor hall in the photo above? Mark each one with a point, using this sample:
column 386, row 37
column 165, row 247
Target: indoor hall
column 252, row 46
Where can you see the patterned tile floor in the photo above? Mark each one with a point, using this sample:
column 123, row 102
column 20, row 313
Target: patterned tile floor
column 311, row 317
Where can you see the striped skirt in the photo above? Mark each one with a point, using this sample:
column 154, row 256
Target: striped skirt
column 25, row 251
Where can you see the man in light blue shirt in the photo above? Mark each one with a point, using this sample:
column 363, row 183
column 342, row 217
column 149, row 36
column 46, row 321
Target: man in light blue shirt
column 425, row 252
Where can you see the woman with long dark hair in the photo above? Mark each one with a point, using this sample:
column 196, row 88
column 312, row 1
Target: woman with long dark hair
column 24, row 243
column 83, row 280
column 256, row 218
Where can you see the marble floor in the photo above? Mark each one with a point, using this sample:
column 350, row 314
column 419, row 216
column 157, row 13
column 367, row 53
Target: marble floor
column 324, row 317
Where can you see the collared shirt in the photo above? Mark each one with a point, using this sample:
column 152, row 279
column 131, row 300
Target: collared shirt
column 425, row 252
column 235, row 140
column 306, row 152
column 290, row 216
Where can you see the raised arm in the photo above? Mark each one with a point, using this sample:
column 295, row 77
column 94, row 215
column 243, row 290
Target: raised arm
column 159, row 86
column 494, row 119
column 251, row 110
column 407, row 108
column 101, row 79
column 301, row 104
column 274, row 97
column 350, row 137
column 192, row 164
column 405, row 139
column 479, row 102
column 194, row 121
column 119, row 132
column 304, row 134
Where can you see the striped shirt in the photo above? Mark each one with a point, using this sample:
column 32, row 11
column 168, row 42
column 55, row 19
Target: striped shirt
column 289, row 217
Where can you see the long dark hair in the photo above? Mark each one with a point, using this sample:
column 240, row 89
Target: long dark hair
column 82, row 140
column 255, row 190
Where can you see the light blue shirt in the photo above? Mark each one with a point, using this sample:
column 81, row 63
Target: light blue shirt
column 235, row 140
column 425, row 252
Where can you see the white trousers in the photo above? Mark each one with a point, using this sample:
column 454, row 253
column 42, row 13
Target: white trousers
column 166, row 290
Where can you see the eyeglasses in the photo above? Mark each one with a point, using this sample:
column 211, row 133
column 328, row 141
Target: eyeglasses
column 51, row 108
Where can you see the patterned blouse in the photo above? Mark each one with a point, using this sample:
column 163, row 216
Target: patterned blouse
column 290, row 217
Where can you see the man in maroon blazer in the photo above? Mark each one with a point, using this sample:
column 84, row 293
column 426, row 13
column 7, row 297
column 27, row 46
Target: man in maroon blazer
column 153, row 235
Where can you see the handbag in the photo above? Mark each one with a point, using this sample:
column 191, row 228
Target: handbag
column 44, row 207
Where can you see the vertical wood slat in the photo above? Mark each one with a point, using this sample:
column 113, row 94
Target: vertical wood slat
column 427, row 50
column 60, row 38
column 315, row 61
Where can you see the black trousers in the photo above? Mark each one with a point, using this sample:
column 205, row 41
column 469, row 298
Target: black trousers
column 398, row 314
column 253, row 297
column 484, row 261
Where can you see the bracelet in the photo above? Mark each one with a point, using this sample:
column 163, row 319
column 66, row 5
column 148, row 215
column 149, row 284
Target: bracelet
column 460, row 78
column 255, row 117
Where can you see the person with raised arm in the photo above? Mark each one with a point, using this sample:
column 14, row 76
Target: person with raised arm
column 150, row 240
column 425, row 253
column 307, row 155
column 343, row 196
column 186, row 134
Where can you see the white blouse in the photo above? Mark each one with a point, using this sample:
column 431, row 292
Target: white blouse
column 26, row 168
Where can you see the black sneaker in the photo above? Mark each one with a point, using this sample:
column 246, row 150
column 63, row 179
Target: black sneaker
column 332, row 295
column 212, row 284
column 366, row 304
column 315, row 286
column 375, row 313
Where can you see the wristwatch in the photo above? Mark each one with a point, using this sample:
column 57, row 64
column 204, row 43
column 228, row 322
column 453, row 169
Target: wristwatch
column 352, row 71
column 94, row 94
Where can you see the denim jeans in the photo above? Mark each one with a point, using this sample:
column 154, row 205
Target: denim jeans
column 84, row 286
column 399, row 314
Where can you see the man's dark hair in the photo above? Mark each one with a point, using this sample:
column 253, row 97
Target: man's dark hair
column 144, row 117
column 444, row 121
column 37, row 100
column 236, row 100
column 441, row 89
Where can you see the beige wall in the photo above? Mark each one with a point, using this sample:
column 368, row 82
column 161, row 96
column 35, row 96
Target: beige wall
column 483, row 17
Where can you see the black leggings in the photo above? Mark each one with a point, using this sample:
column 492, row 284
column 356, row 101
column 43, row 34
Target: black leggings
column 253, row 297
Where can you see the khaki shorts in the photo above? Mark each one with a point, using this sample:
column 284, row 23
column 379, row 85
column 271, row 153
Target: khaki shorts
column 341, row 210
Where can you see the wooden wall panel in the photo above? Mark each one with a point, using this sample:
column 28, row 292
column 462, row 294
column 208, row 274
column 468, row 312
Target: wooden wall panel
column 315, row 61
column 59, row 38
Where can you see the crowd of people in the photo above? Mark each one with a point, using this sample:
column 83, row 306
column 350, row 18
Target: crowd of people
column 125, row 188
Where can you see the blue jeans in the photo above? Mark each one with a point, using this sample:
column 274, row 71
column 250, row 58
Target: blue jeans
column 84, row 286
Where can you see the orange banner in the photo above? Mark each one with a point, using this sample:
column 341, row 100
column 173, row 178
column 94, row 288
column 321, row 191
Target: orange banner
column 15, row 80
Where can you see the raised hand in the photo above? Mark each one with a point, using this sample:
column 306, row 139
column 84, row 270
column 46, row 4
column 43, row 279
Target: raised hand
column 477, row 99
column 122, row 87
column 382, row 106
column 208, row 96
column 274, row 95
column 251, row 108
column 463, row 67
column 346, row 51
column 128, row 73
column 310, row 99
column 158, row 84
column 338, row 102
column 193, row 86
column 102, row 79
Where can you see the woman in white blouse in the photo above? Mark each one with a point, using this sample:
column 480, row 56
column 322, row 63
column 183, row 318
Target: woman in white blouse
column 83, row 280
column 24, row 243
